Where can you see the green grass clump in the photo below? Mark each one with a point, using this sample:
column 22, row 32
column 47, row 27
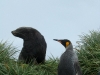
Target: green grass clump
column 88, row 50
column 13, row 68
column 6, row 52
column 9, row 66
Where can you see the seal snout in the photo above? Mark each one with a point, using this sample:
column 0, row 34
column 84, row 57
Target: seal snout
column 55, row 39
column 13, row 32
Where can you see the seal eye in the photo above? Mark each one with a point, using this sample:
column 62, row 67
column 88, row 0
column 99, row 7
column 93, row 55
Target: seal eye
column 67, row 44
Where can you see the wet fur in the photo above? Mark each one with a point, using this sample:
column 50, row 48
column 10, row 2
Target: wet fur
column 34, row 46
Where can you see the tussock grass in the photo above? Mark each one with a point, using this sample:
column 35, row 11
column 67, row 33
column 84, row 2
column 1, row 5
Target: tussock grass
column 8, row 65
column 6, row 52
column 88, row 50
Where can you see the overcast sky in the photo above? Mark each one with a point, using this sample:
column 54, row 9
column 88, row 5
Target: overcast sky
column 55, row 19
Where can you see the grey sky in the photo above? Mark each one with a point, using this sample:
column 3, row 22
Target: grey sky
column 55, row 19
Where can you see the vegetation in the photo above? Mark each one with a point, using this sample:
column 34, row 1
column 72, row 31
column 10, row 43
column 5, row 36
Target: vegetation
column 88, row 50
column 8, row 65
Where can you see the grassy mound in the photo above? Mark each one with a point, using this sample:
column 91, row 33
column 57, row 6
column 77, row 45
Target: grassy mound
column 88, row 49
column 8, row 65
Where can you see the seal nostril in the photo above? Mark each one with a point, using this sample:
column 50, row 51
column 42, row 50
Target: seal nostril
column 55, row 39
column 11, row 31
